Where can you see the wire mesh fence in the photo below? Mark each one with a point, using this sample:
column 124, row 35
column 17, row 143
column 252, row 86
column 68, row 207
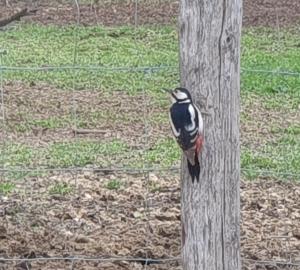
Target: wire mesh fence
column 89, row 174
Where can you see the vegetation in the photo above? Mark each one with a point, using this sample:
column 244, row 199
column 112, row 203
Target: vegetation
column 266, row 93
column 60, row 189
column 113, row 184
column 6, row 188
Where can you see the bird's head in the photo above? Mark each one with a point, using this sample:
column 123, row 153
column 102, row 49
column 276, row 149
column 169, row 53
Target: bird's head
column 180, row 94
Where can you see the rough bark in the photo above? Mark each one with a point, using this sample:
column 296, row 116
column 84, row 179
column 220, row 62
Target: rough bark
column 210, row 33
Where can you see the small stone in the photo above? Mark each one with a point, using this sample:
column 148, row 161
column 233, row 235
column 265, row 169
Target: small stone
column 137, row 214
column 153, row 177
column 81, row 239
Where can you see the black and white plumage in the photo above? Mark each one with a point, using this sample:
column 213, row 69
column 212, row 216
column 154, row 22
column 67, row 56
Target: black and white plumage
column 187, row 126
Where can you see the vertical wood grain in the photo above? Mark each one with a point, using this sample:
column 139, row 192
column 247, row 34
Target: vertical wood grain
column 209, row 32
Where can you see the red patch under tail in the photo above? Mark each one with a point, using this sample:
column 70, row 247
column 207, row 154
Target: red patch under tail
column 199, row 144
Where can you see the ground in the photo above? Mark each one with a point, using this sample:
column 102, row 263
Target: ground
column 103, row 213
column 256, row 13
column 96, row 217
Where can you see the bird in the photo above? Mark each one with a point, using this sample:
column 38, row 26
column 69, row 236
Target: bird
column 187, row 126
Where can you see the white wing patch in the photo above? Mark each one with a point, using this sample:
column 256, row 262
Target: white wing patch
column 191, row 126
column 192, row 133
column 176, row 133
column 194, row 139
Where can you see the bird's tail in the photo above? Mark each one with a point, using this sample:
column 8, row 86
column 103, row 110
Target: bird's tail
column 194, row 170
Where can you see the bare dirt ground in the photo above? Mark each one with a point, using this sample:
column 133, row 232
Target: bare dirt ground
column 256, row 12
column 93, row 220
column 96, row 110
column 118, row 115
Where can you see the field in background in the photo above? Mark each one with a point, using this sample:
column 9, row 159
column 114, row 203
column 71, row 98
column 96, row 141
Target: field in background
column 106, row 116
column 40, row 104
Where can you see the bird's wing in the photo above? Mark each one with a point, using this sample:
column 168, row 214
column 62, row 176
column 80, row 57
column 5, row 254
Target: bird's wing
column 200, row 120
column 192, row 116
column 174, row 130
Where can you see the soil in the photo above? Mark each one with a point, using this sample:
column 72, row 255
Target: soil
column 90, row 219
column 117, row 115
column 122, row 118
column 93, row 220
column 273, row 13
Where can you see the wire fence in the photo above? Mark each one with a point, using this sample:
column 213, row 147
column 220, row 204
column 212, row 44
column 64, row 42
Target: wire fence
column 132, row 259
column 34, row 206
column 131, row 69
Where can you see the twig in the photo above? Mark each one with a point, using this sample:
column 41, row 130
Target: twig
column 87, row 131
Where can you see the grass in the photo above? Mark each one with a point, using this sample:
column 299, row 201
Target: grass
column 262, row 49
column 6, row 188
column 265, row 49
column 113, row 184
column 83, row 153
column 62, row 155
column 280, row 157
column 47, row 123
column 60, row 189
column 33, row 45
column 164, row 152
column 293, row 129
column 86, row 119
column 15, row 154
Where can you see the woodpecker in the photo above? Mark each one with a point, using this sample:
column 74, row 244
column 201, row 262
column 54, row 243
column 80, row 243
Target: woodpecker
column 187, row 126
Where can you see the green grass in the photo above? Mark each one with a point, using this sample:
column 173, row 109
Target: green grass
column 165, row 152
column 280, row 157
column 62, row 155
column 113, row 184
column 262, row 49
column 33, row 45
column 47, row 123
column 83, row 153
column 60, row 189
column 293, row 129
column 6, row 188
column 15, row 154
column 88, row 119
column 265, row 49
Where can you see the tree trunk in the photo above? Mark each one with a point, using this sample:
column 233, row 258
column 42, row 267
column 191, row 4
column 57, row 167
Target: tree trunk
column 210, row 33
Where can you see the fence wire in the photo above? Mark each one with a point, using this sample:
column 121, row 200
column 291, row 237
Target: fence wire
column 135, row 259
column 143, row 69
column 262, row 173
column 2, row 89
column 146, row 259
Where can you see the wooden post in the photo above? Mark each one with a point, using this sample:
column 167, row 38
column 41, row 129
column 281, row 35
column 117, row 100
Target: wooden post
column 210, row 33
